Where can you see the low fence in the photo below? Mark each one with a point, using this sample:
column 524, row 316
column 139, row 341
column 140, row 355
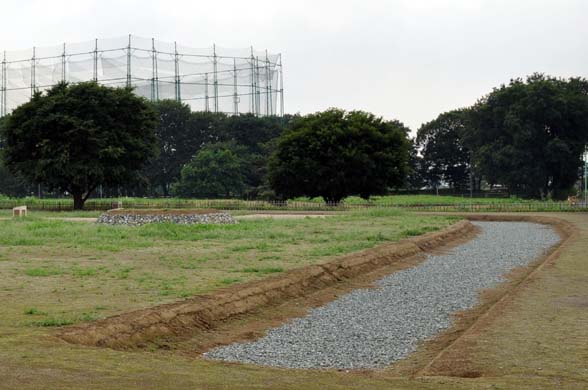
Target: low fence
column 500, row 207
column 102, row 205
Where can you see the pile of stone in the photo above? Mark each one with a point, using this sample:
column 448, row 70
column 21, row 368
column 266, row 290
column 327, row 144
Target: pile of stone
column 132, row 219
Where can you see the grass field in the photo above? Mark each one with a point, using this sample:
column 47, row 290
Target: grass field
column 54, row 273
column 54, row 214
column 62, row 272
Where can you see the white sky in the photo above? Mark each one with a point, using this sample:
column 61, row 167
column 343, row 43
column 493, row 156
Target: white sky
column 403, row 59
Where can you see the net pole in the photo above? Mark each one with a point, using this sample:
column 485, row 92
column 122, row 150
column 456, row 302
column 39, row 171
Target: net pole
column 156, row 76
column 235, row 90
column 95, row 73
column 177, row 73
column 33, row 75
column 3, row 87
column 129, row 84
column 252, row 94
column 215, row 77
column 63, row 64
column 281, row 70
column 206, row 102
column 257, row 88
column 268, row 85
column 153, row 70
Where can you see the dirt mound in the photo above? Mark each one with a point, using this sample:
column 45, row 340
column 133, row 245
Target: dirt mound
column 182, row 319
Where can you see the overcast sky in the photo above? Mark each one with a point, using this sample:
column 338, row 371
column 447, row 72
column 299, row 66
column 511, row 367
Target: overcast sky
column 403, row 59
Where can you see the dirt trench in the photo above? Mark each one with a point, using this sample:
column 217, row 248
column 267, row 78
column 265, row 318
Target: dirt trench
column 185, row 319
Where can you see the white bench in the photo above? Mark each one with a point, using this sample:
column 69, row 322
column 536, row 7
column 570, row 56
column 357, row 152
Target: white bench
column 20, row 211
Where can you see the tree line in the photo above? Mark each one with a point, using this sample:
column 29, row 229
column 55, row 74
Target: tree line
column 84, row 139
column 527, row 136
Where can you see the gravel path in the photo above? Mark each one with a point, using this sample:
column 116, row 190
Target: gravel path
column 371, row 328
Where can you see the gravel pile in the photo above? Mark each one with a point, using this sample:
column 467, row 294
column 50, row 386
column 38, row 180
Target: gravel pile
column 185, row 219
column 371, row 328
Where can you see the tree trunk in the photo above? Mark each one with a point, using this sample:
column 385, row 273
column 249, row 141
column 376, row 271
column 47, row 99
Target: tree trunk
column 78, row 201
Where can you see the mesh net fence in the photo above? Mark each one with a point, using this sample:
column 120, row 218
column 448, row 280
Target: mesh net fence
column 213, row 78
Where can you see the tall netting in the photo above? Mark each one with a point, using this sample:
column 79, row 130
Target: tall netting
column 209, row 79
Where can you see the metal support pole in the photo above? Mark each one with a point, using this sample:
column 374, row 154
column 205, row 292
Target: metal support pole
column 281, row 69
column 215, row 77
column 3, row 88
column 252, row 99
column 269, row 110
column 95, row 70
column 177, row 73
column 33, row 69
column 155, row 75
column 129, row 68
column 235, row 90
column 63, row 65
column 206, row 97
column 95, row 74
column 257, row 89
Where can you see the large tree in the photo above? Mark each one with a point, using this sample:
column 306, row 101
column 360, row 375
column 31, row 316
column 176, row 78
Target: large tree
column 216, row 171
column 415, row 178
column 75, row 137
column 529, row 135
column 10, row 184
column 180, row 134
column 257, row 136
column 250, row 131
column 333, row 154
column 444, row 157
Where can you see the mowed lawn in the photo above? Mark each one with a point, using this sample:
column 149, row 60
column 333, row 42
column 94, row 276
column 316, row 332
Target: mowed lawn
column 55, row 272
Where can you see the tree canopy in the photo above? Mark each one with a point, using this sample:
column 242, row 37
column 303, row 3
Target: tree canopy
column 75, row 137
column 530, row 135
column 333, row 154
column 217, row 170
column 444, row 157
column 180, row 133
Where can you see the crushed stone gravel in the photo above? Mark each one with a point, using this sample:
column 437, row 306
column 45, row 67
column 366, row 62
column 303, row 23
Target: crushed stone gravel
column 182, row 219
column 372, row 328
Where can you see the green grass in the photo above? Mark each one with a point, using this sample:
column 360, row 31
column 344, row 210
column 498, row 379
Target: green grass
column 34, row 312
column 6, row 213
column 40, row 207
column 228, row 281
column 236, row 204
column 51, row 322
column 72, row 267
column 263, row 271
column 81, row 272
column 50, row 271
column 63, row 320
column 417, row 231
